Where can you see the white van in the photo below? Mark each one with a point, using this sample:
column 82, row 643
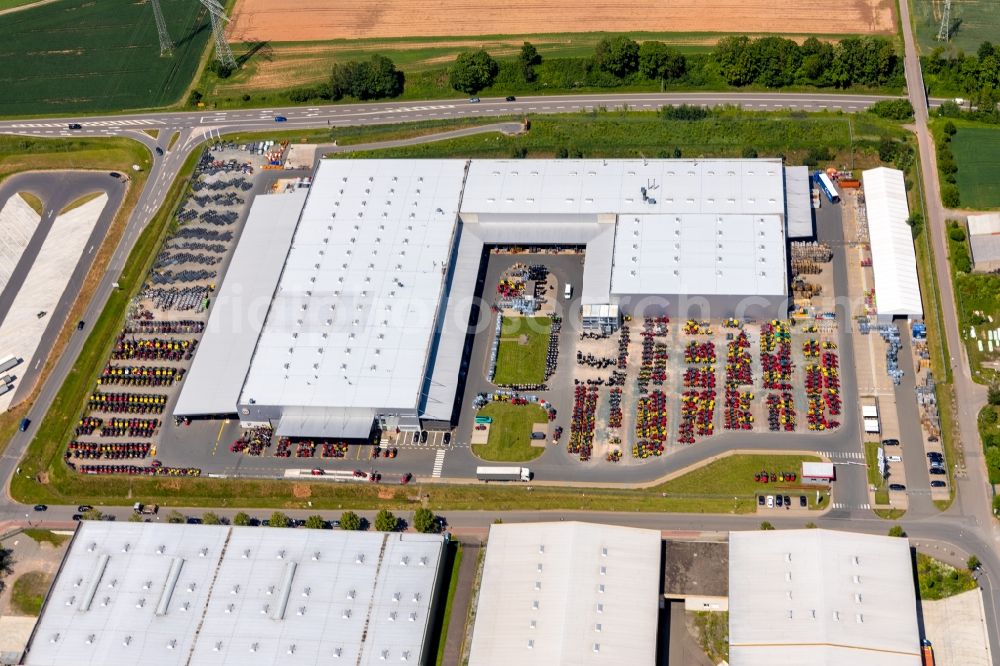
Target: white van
column 568, row 291
column 894, row 458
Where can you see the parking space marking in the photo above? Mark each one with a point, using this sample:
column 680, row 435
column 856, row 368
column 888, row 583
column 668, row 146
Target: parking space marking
column 438, row 463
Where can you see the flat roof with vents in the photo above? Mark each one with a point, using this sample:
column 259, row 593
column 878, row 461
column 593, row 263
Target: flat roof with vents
column 816, row 596
column 568, row 593
column 697, row 253
column 356, row 307
column 581, row 187
column 168, row 595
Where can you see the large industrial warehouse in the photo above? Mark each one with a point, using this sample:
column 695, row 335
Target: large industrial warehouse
column 165, row 595
column 367, row 316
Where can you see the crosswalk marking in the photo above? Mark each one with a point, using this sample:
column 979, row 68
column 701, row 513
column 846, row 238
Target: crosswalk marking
column 438, row 463
column 855, row 455
column 841, row 505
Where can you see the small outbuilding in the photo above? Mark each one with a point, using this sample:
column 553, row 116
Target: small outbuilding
column 818, row 472
column 984, row 242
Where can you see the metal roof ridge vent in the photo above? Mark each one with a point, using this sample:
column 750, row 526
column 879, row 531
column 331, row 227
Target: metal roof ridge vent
column 285, row 591
column 176, row 564
column 98, row 573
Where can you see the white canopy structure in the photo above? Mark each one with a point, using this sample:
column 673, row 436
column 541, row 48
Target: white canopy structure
column 897, row 291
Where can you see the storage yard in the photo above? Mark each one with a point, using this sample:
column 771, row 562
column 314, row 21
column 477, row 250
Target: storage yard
column 316, row 20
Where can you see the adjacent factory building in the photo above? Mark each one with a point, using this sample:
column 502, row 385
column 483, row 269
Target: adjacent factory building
column 350, row 305
column 817, row 596
column 168, row 595
column 568, row 593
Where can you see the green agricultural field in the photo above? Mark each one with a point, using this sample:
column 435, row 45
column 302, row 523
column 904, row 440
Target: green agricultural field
column 84, row 56
column 977, row 153
column 524, row 346
column 973, row 22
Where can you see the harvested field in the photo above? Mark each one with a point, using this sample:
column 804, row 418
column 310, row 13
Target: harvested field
column 317, row 20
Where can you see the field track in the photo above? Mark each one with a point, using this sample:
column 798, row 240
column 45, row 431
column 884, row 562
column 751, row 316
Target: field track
column 320, row 20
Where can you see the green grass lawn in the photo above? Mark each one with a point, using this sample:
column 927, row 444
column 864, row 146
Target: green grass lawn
column 713, row 635
column 46, row 536
column 977, row 153
column 938, row 580
column 524, row 346
column 733, row 476
column 850, row 137
column 85, row 56
column 455, row 548
column 510, row 432
column 28, row 592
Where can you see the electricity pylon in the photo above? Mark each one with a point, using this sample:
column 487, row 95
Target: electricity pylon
column 944, row 30
column 166, row 44
column 222, row 51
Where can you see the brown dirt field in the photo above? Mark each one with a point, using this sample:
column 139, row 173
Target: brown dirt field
column 314, row 20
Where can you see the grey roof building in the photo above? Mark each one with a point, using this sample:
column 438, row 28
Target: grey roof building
column 171, row 595
column 357, row 299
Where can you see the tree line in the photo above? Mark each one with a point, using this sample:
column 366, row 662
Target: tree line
column 617, row 61
column 976, row 75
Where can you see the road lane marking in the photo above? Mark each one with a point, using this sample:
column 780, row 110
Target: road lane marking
column 219, row 437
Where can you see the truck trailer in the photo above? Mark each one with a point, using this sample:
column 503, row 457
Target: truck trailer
column 488, row 474
column 826, row 185
column 8, row 362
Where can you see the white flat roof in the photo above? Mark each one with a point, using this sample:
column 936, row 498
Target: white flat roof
column 798, row 202
column 354, row 312
column 568, row 593
column 816, row 596
column 699, row 254
column 166, row 595
column 223, row 355
column 984, row 224
column 894, row 262
column 550, row 187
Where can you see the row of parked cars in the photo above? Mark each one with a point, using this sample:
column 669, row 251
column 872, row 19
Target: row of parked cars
column 935, row 461
column 772, row 501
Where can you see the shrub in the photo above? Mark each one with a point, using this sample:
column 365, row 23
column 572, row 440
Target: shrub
column 684, row 112
column 350, row 521
column 315, row 523
column 893, row 109
column 175, row 516
column 750, row 153
column 993, row 395
column 386, row 521
column 957, row 234
column 210, row 518
column 424, row 520
column 242, row 519
column 949, row 128
column 897, row 531
column 950, row 196
column 279, row 519
column 766, row 526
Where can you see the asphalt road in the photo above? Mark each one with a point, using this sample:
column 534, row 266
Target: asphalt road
column 968, row 524
column 56, row 189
